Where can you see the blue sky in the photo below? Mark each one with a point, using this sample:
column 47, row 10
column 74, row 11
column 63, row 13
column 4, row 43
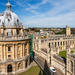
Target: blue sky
column 43, row 13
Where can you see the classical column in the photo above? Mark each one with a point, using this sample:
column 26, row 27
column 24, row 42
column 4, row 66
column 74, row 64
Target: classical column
column 23, row 64
column 21, row 31
column 23, row 49
column 1, row 52
column 13, row 51
column 4, row 52
column 16, row 51
column 27, row 47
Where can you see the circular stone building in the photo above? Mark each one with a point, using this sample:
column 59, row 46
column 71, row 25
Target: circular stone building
column 14, row 43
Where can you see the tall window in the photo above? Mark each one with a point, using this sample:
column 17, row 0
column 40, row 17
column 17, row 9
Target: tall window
column 49, row 45
column 61, row 43
column 17, row 31
column 9, row 48
column 8, row 32
column 58, row 43
column 55, row 44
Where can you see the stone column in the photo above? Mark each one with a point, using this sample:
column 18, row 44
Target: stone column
column 23, row 50
column 1, row 52
column 14, row 68
column 13, row 51
column 4, row 52
column 14, row 32
column 28, row 61
column 21, row 31
column 16, row 51
column 27, row 48
column 23, row 64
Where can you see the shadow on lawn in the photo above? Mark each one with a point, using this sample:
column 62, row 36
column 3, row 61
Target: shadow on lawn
column 46, row 70
column 40, row 73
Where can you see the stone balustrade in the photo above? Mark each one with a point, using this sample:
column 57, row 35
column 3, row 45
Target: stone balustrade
column 9, row 38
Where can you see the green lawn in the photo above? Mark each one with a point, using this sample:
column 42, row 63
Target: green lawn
column 35, row 70
column 72, row 51
column 62, row 54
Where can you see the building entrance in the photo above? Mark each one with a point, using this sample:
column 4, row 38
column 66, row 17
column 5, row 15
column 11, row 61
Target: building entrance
column 9, row 68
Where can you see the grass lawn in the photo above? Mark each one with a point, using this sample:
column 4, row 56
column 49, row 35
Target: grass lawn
column 72, row 51
column 35, row 70
column 62, row 54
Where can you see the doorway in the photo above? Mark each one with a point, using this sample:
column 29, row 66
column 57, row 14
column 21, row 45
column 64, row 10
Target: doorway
column 9, row 68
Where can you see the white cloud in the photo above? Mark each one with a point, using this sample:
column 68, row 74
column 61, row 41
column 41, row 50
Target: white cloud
column 57, row 21
column 32, row 8
column 54, row 17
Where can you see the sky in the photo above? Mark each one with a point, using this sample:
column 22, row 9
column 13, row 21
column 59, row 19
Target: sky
column 43, row 13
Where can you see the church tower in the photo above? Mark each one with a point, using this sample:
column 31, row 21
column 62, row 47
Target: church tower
column 68, row 31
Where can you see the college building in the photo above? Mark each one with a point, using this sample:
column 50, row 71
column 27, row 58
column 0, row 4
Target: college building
column 49, row 47
column 14, row 43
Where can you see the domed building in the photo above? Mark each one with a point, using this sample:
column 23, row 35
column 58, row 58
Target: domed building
column 14, row 43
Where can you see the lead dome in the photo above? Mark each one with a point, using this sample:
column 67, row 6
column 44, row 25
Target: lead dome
column 9, row 18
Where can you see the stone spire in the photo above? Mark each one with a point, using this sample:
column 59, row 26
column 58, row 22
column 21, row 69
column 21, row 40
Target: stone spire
column 8, row 5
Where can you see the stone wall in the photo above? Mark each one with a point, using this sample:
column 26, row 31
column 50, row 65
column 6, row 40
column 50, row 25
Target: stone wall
column 58, row 63
column 17, row 65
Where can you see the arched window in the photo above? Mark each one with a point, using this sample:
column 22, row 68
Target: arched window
column 20, row 66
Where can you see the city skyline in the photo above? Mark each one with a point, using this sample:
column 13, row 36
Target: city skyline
column 43, row 13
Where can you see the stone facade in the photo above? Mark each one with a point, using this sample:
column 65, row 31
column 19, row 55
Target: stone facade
column 50, row 46
column 58, row 42
column 59, row 63
column 14, row 44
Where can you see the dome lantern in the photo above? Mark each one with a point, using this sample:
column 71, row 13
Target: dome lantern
column 8, row 5
column 9, row 18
